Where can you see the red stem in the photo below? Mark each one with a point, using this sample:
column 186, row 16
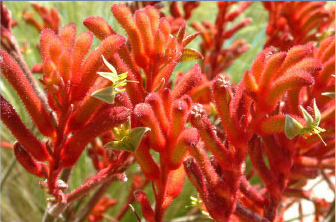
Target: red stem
column 92, row 183
column 248, row 215
column 162, row 188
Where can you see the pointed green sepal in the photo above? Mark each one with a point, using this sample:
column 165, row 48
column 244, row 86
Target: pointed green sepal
column 106, row 94
column 292, row 127
column 329, row 94
column 317, row 113
column 129, row 142
column 110, row 76
column 308, row 118
column 109, row 66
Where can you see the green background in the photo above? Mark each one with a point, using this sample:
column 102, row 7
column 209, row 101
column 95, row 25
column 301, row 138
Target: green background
column 21, row 198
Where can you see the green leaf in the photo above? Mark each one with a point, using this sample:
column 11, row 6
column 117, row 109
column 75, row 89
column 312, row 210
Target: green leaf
column 105, row 94
column 292, row 127
column 190, row 54
column 129, row 142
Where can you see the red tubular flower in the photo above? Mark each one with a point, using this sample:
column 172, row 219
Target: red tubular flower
column 315, row 162
column 217, row 59
column 175, row 185
column 93, row 61
column 214, row 204
column 89, row 106
column 145, row 114
column 293, row 72
column 147, row 31
column 6, row 145
column 124, row 16
column 179, row 118
column 167, row 100
column 271, row 76
column 6, row 20
column 68, row 35
column 134, row 89
column 324, row 80
column 201, row 93
column 293, row 80
column 156, row 102
column 83, row 73
column 201, row 122
column 188, row 81
column 123, row 62
column 222, row 95
column 187, row 139
column 187, row 7
column 154, row 50
column 26, row 160
column 264, row 173
column 195, row 176
column 12, row 120
column 143, row 22
column 14, row 74
column 65, row 65
column 294, row 23
column 274, row 118
column 51, row 45
column 104, row 203
column 271, row 125
column 212, row 178
column 147, row 163
column 50, row 18
column 251, row 192
column 280, row 159
column 81, row 48
column 103, row 121
column 98, row 26
column 146, row 208
column 166, row 117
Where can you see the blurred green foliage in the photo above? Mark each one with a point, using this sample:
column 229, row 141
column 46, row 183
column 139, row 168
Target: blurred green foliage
column 21, row 198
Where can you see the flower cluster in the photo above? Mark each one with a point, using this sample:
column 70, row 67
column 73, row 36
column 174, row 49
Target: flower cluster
column 120, row 101
column 60, row 111
column 262, row 116
column 50, row 18
column 292, row 22
column 217, row 58
column 165, row 114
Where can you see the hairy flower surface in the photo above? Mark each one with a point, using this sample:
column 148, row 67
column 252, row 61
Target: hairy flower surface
column 143, row 110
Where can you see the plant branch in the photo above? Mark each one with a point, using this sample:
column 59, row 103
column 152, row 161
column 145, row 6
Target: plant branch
column 94, row 199
column 248, row 215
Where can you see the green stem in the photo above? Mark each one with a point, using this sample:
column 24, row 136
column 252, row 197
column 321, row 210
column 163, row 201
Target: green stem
column 7, row 172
